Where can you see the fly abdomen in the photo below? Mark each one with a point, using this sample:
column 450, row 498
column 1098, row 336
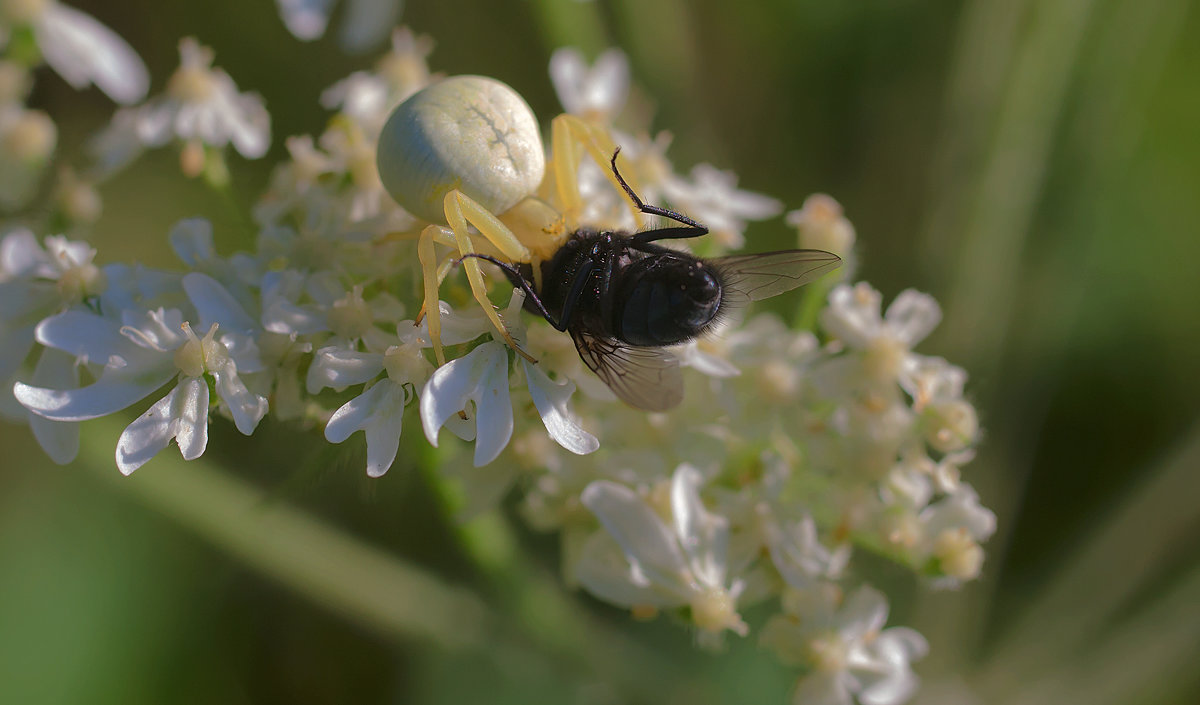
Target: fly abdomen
column 666, row 299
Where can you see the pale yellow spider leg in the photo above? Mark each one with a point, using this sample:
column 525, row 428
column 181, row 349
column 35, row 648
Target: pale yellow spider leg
column 460, row 210
column 566, row 167
column 443, row 269
column 428, row 257
column 565, row 132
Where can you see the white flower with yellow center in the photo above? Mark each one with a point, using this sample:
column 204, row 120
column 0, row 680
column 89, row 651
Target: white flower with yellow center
column 36, row 283
column 379, row 410
column 479, row 381
column 952, row 530
column 143, row 354
column 367, row 97
column 843, row 644
column 883, row 343
column 677, row 561
column 201, row 108
column 597, row 92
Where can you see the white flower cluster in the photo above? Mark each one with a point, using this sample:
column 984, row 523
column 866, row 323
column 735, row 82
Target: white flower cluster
column 790, row 451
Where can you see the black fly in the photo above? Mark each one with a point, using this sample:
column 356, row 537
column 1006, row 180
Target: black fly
column 623, row 298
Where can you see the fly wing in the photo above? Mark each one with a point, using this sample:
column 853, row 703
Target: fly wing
column 766, row 274
column 646, row 378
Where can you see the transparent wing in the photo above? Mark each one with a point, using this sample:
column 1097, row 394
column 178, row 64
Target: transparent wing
column 646, row 378
column 766, row 274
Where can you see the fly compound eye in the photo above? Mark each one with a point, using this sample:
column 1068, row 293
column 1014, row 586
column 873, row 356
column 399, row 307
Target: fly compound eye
column 470, row 133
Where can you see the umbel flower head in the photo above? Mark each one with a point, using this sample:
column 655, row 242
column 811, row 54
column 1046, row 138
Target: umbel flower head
column 366, row 304
column 201, row 109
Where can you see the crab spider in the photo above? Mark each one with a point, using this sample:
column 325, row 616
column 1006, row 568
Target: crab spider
column 466, row 151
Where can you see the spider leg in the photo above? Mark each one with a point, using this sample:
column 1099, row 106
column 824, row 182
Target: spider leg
column 433, row 274
column 566, row 132
column 429, row 274
column 461, row 210
column 443, row 269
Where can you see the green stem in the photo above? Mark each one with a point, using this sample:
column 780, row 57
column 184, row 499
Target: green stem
column 812, row 301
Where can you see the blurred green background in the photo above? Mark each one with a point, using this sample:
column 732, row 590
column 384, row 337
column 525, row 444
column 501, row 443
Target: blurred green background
column 1033, row 164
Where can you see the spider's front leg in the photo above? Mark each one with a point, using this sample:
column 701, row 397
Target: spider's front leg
column 461, row 210
column 567, row 133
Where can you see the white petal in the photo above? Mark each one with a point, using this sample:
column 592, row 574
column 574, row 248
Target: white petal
column 568, row 71
column 383, row 433
column 476, row 376
column 901, row 645
column 690, row 355
column 353, row 415
column 118, row 144
column 183, row 413
column 147, row 435
column 461, row 327
column 366, row 23
column 85, row 336
column 192, row 240
column 190, row 410
column 246, row 408
column 852, row 315
column 339, row 367
column 864, row 612
column 60, row 439
column 895, row 689
column 249, row 126
column 215, row 304
column 961, row 509
column 609, row 82
column 160, row 330
column 797, row 553
column 647, row 542
column 551, row 400
column 379, row 412
column 603, row 570
column 20, row 254
column 287, row 318
column 114, row 391
column 704, row 536
column 493, row 409
column 913, row 315
column 305, row 19
column 83, row 51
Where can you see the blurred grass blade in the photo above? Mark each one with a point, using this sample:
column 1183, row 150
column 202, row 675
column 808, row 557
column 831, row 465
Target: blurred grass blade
column 1098, row 580
column 1150, row 654
column 1002, row 203
column 365, row 585
column 571, row 24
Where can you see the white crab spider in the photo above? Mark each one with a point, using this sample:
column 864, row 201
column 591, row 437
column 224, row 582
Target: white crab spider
column 467, row 151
